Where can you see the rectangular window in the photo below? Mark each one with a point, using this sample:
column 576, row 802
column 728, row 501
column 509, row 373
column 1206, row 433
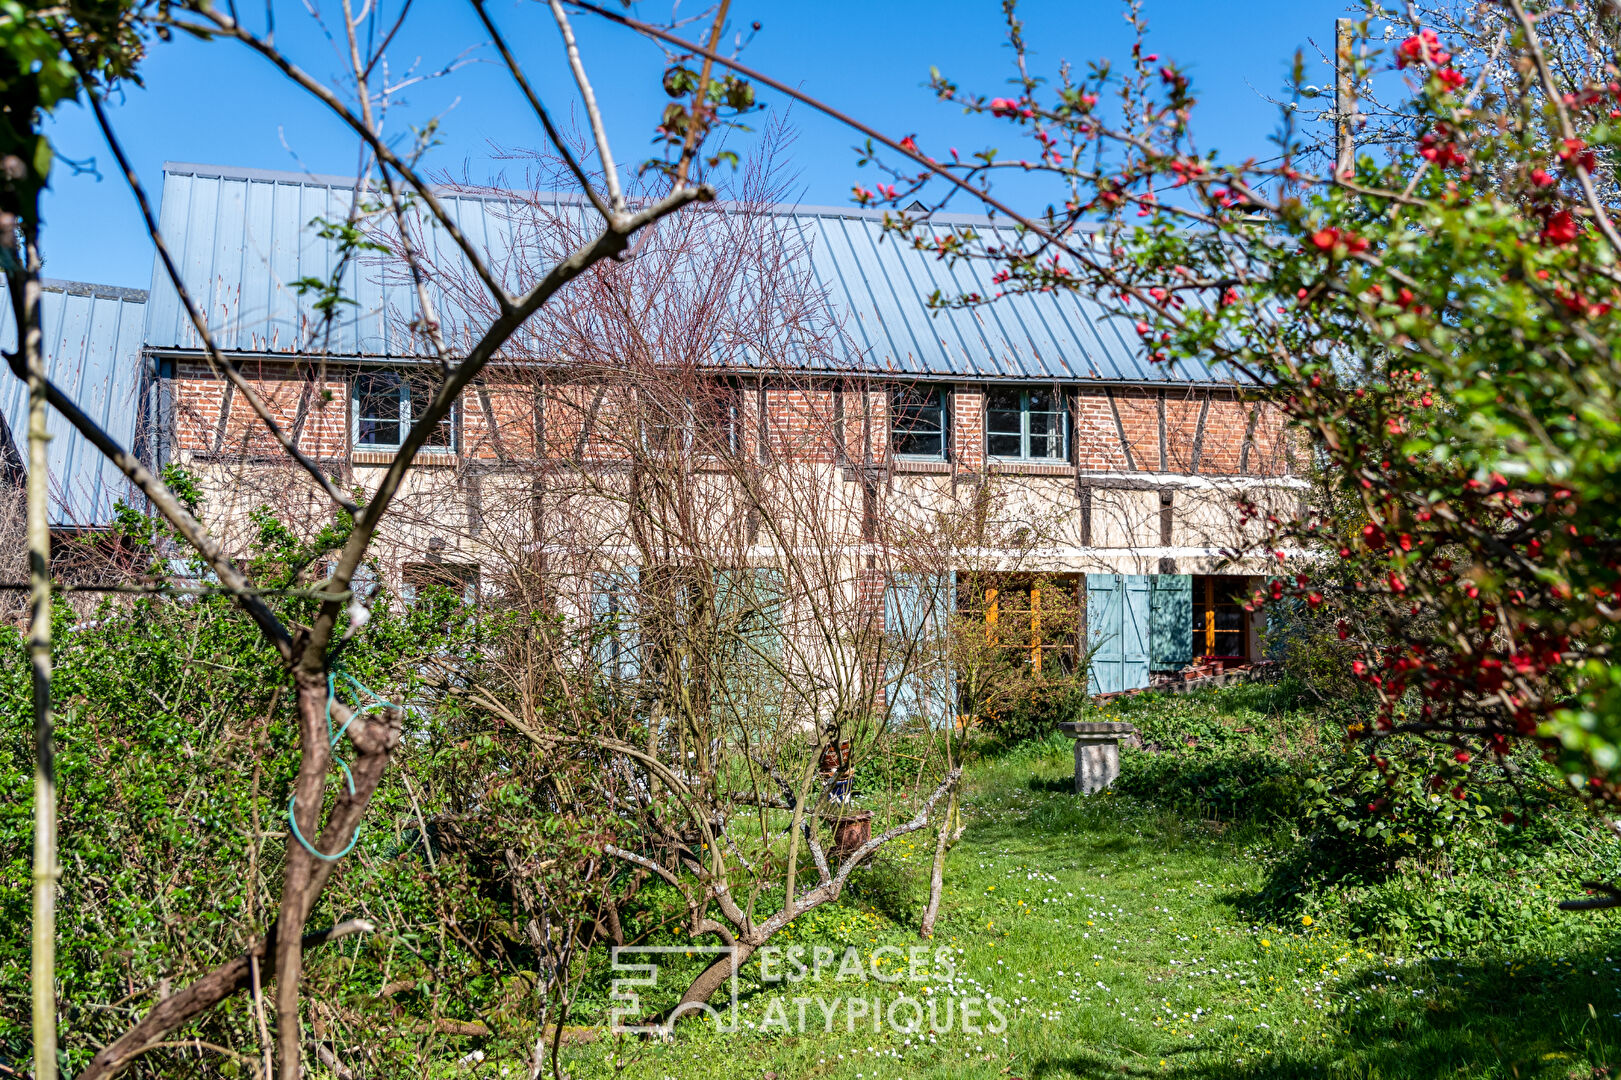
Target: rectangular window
column 1035, row 620
column 918, row 422
column 705, row 422
column 1220, row 625
column 1026, row 425
column 385, row 403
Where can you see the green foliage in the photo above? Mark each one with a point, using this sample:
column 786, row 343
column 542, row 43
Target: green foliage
column 178, row 752
column 887, row 885
column 1463, row 428
column 1382, row 845
column 48, row 51
column 1045, row 703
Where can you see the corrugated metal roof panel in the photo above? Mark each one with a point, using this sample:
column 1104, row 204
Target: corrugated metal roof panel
column 244, row 239
column 93, row 352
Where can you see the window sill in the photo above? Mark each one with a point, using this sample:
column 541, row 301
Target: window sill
column 921, row 465
column 1030, row 468
column 386, row 457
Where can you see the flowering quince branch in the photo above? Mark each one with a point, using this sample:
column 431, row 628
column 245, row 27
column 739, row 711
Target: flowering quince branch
column 1465, row 508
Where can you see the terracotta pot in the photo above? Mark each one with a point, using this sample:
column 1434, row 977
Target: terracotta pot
column 850, row 831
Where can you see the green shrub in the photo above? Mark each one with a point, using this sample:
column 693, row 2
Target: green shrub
column 886, row 885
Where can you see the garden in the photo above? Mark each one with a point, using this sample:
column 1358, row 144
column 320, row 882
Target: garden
column 298, row 786
column 1205, row 917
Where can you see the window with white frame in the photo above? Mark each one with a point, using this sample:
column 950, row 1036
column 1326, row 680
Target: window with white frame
column 705, row 422
column 919, row 422
column 1026, row 425
column 385, row 403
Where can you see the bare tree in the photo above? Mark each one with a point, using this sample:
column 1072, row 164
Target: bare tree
column 389, row 186
column 696, row 557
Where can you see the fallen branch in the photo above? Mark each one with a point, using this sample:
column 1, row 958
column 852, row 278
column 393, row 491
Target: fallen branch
column 200, row 996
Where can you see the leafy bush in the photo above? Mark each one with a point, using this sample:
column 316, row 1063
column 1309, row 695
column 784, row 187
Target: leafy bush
column 1039, row 709
column 887, row 886
column 1415, row 847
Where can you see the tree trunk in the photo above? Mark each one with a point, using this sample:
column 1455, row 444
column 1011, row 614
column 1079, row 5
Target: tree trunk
column 712, row 978
column 938, row 876
column 198, row 998
column 46, row 871
column 297, row 896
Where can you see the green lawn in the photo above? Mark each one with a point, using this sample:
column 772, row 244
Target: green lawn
column 1115, row 932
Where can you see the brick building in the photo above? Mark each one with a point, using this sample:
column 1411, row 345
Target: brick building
column 872, row 418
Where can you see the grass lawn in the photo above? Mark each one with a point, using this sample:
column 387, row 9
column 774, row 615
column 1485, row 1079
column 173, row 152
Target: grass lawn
column 1115, row 932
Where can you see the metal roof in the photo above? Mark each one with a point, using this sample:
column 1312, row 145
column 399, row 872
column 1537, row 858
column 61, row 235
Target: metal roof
column 243, row 239
column 93, row 352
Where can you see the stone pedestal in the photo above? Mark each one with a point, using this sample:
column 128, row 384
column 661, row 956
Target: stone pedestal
column 1097, row 753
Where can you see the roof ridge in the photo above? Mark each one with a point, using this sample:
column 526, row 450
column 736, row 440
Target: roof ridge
column 330, row 180
column 93, row 289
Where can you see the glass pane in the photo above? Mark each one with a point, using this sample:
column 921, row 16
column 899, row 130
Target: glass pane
column 666, row 426
column 1003, row 445
column 715, row 420
column 422, row 395
column 918, row 422
column 1004, row 424
column 918, row 444
column 1046, row 434
column 378, row 409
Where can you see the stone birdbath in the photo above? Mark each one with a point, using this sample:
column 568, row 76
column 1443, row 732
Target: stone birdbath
column 1097, row 752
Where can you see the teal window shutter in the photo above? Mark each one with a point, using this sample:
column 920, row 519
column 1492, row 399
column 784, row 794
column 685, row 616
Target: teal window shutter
column 1103, row 633
column 918, row 677
column 1117, row 631
column 1170, row 646
column 614, row 624
column 748, row 626
column 1134, row 609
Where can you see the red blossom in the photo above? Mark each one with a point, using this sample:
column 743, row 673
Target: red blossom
column 1574, row 152
column 1560, row 228
column 1422, row 48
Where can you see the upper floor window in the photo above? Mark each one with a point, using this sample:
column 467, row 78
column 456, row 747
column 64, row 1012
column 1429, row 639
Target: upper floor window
column 705, row 422
column 918, row 422
column 1026, row 425
column 385, row 404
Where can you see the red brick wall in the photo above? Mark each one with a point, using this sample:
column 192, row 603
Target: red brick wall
column 512, row 404
column 1271, row 452
column 1182, row 431
column 200, row 397
column 803, row 422
column 968, row 428
column 1097, row 441
column 800, row 423
column 1139, row 416
column 1222, row 446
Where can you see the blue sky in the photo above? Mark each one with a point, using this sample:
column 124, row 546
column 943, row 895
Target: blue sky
column 218, row 104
